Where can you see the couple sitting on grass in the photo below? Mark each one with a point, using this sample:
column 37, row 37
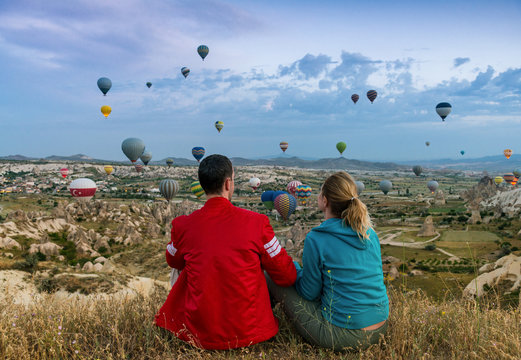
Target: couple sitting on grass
column 231, row 263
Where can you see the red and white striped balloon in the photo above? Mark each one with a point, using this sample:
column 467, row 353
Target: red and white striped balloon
column 83, row 189
column 64, row 172
column 292, row 186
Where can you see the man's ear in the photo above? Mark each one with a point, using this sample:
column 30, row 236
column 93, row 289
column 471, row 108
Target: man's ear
column 228, row 184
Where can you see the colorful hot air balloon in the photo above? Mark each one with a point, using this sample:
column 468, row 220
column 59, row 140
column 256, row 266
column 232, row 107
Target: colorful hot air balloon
column 83, row 189
column 371, row 95
column 203, row 50
column 196, row 189
column 427, row 143
column 169, row 162
column 341, row 146
column 355, row 98
column 292, row 186
column 138, row 167
column 108, row 169
column 198, row 153
column 168, row 188
column 417, row 169
column 303, row 192
column 462, row 152
column 149, row 84
column 386, row 186
column 432, row 185
column 104, row 84
column 185, row 71
column 133, row 148
column 514, row 182
column 267, row 199
column 443, row 109
column 359, row 187
column 285, row 204
column 517, row 173
column 146, row 157
column 509, row 177
column 106, row 110
column 507, row 153
column 254, row 183
column 219, row 125
column 498, row 180
column 283, row 146
column 64, row 172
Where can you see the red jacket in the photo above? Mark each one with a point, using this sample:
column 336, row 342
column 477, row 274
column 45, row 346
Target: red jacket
column 221, row 300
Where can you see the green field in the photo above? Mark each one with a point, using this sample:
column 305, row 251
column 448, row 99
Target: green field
column 468, row 236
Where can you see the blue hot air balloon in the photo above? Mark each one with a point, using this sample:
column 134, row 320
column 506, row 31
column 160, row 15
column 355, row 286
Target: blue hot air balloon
column 443, row 109
column 371, row 95
column 203, row 50
column 133, row 148
column 104, row 85
column 267, row 199
column 185, row 71
column 198, row 153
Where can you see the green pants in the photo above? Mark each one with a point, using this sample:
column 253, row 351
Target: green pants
column 307, row 318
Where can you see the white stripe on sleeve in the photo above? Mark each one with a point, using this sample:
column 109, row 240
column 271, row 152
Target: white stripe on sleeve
column 273, row 247
column 171, row 249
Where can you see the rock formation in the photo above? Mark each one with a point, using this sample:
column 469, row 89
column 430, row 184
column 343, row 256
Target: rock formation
column 8, row 243
column 427, row 228
column 47, row 249
column 507, row 268
column 439, row 198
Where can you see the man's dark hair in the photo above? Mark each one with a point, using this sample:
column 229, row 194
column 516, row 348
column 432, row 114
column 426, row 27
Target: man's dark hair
column 213, row 172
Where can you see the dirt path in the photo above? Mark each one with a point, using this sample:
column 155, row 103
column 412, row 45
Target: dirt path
column 388, row 240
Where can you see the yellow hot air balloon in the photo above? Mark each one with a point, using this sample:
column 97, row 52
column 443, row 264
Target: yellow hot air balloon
column 507, row 153
column 498, row 180
column 108, row 169
column 106, row 110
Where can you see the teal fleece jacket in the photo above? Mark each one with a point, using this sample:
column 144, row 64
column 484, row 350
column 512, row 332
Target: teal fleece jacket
column 345, row 272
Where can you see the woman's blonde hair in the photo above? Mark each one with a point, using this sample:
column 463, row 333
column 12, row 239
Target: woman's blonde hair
column 340, row 191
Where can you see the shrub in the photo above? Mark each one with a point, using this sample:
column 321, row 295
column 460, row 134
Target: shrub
column 430, row 247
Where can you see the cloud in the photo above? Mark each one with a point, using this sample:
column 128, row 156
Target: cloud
column 460, row 61
column 308, row 67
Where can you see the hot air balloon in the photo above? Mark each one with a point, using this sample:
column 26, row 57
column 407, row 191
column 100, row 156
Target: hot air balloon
column 196, row 189
column 108, row 169
column 203, row 50
column 267, row 199
column 371, row 95
column 104, row 85
column 106, row 110
column 355, row 98
column 341, row 146
column 133, row 148
column 64, row 172
column 417, row 169
column 462, row 152
column 254, row 183
column 146, row 157
column 83, row 189
column 292, row 186
column 509, row 177
column 198, row 153
column 285, row 204
column 498, row 180
column 138, row 167
column 427, row 143
column 303, row 192
column 507, row 153
column 517, row 173
column 386, row 186
column 514, row 182
column 219, row 125
column 185, row 71
column 432, row 185
column 283, row 146
column 169, row 162
column 443, row 109
column 168, row 188
column 149, row 84
column 360, row 187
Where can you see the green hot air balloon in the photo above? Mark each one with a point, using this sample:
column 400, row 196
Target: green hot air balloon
column 169, row 162
column 168, row 188
column 149, row 84
column 146, row 157
column 104, row 84
column 417, row 169
column 133, row 148
column 196, row 189
column 341, row 146
column 386, row 186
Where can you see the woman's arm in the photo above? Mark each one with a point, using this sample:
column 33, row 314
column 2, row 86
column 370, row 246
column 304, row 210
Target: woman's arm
column 309, row 278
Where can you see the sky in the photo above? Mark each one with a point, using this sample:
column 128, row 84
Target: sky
column 276, row 71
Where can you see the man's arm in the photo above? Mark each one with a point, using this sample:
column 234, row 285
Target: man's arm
column 174, row 257
column 274, row 258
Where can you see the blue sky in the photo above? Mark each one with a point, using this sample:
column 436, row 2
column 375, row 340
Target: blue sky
column 276, row 71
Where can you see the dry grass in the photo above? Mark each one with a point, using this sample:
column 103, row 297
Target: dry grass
column 100, row 329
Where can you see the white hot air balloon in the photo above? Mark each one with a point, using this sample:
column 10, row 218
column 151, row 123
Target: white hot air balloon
column 83, row 189
column 254, row 183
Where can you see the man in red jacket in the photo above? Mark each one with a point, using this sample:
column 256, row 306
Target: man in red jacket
column 221, row 300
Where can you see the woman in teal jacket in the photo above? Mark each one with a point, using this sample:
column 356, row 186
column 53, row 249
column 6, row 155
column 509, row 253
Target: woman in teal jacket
column 339, row 300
